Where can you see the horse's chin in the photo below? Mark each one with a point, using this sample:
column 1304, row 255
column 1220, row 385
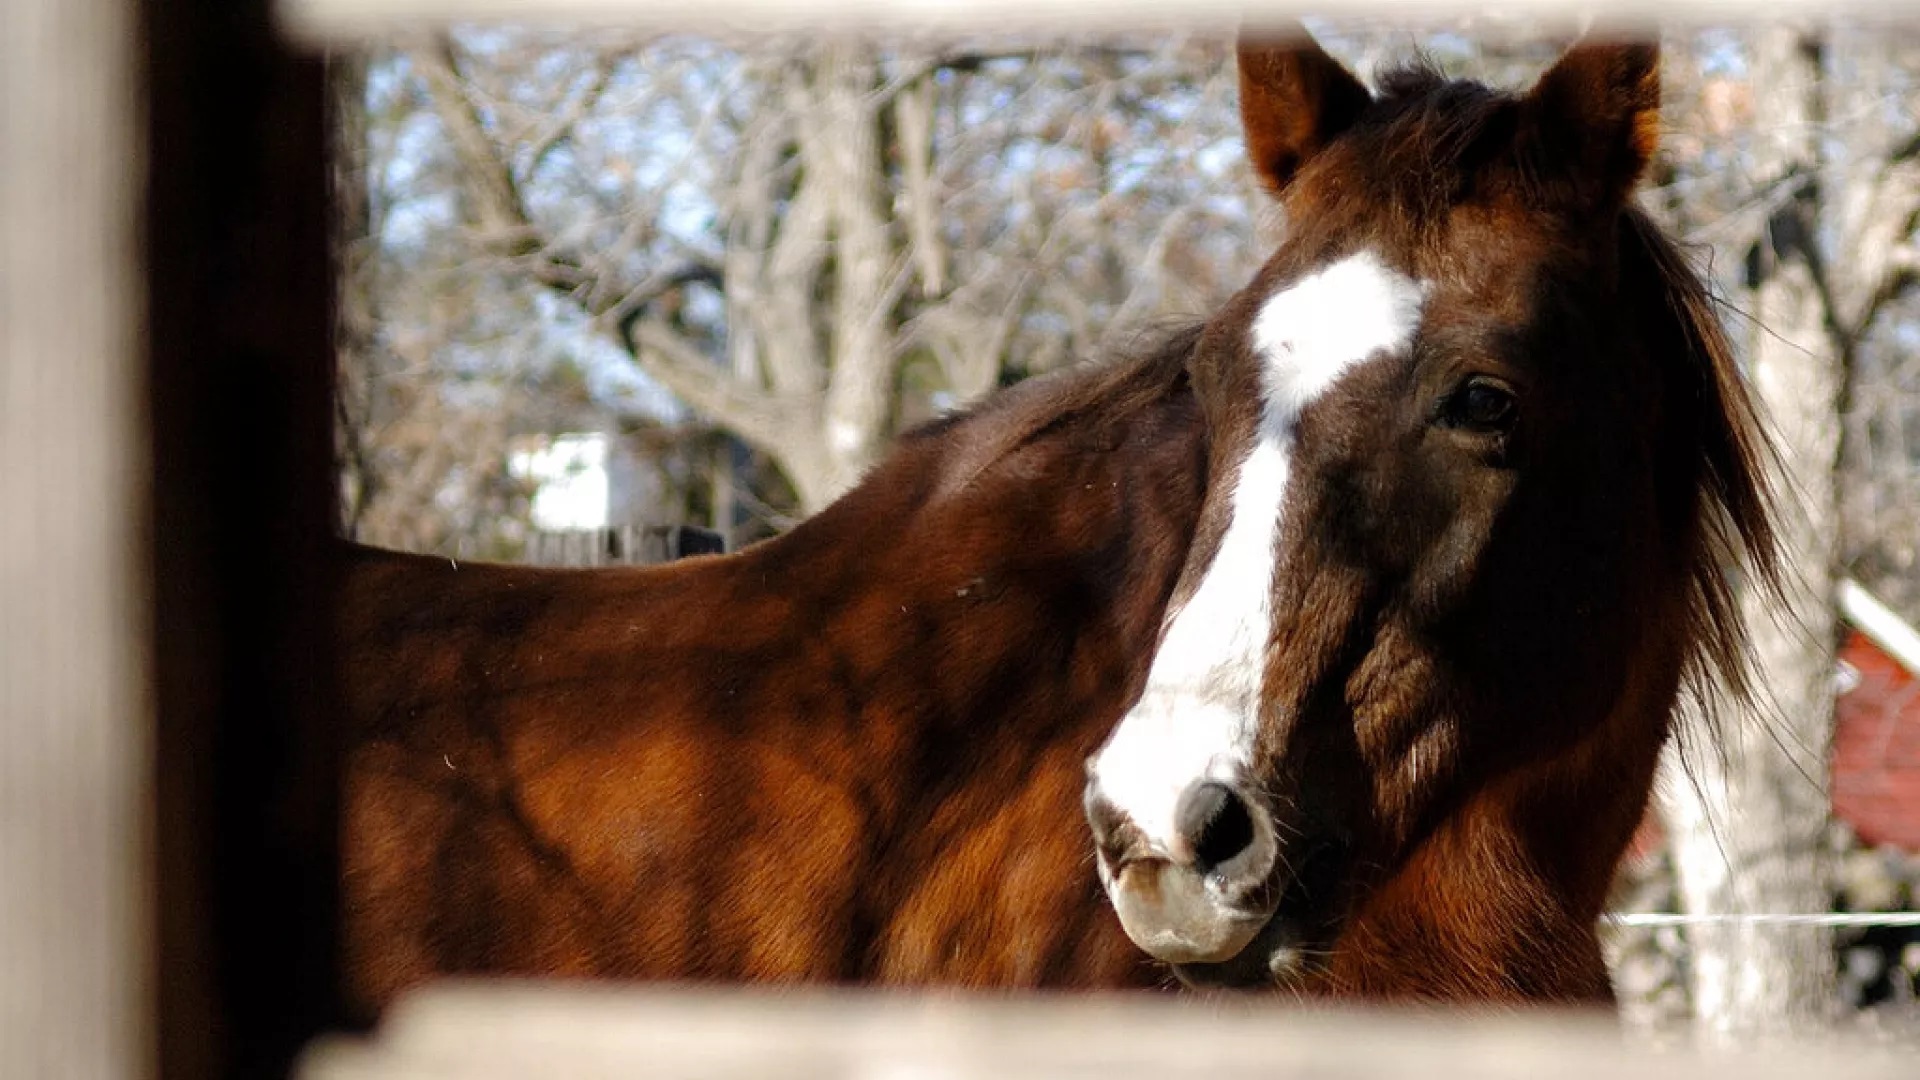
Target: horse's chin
column 1280, row 957
column 1294, row 945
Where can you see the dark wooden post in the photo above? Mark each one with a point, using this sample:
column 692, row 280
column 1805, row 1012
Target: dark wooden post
column 238, row 288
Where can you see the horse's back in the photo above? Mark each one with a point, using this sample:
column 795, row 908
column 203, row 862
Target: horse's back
column 639, row 774
column 520, row 795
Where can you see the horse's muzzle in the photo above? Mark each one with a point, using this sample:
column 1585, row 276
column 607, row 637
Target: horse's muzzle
column 1201, row 895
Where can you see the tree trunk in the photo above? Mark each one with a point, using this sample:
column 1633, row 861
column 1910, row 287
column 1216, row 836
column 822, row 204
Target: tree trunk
column 356, row 317
column 810, row 373
column 844, row 153
column 1748, row 818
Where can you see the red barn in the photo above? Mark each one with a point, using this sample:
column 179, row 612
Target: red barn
column 1876, row 737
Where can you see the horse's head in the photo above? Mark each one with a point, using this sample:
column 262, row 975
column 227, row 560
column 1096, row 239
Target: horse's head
column 1472, row 429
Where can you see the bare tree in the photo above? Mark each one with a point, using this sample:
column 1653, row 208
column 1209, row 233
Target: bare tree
column 885, row 226
column 357, row 325
column 421, row 467
column 1827, row 246
column 444, row 363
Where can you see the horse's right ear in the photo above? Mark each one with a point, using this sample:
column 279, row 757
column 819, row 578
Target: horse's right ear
column 1594, row 118
column 1294, row 100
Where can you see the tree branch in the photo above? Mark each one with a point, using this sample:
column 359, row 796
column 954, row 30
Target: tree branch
column 765, row 421
column 490, row 183
column 843, row 155
column 1878, row 234
column 561, row 129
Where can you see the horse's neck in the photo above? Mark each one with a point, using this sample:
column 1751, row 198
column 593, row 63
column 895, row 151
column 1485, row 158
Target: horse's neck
column 1501, row 900
column 1467, row 918
column 1034, row 578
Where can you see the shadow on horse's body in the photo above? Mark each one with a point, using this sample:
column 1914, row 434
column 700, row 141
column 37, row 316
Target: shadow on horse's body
column 850, row 753
column 1381, row 587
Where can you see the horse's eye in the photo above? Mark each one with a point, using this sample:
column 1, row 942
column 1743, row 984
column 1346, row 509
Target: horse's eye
column 1482, row 404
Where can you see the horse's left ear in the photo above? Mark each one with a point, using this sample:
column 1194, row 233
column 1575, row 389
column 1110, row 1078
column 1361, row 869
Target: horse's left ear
column 1596, row 115
column 1294, row 100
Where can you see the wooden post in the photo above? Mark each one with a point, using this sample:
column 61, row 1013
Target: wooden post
column 240, row 376
column 74, row 724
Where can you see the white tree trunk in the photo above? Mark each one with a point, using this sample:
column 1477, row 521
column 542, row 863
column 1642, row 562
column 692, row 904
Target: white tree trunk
column 844, row 150
column 1748, row 818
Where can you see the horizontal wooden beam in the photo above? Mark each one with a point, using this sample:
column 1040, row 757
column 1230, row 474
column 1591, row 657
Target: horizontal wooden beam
column 502, row 1030
column 1879, row 622
column 341, row 20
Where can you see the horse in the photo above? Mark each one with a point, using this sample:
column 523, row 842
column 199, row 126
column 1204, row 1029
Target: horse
column 851, row 753
column 1273, row 595
column 1480, row 459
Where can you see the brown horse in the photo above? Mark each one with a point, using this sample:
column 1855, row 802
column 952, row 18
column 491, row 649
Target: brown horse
column 1437, row 502
column 1479, row 458
column 850, row 753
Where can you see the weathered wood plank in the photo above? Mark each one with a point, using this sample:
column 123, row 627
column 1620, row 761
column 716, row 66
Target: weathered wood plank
column 590, row 1032
column 338, row 20
column 74, row 728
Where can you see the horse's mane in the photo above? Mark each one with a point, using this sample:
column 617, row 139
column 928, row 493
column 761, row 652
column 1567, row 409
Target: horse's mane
column 1729, row 499
column 1098, row 396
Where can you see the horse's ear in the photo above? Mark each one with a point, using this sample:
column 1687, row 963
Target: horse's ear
column 1294, row 100
column 1596, row 115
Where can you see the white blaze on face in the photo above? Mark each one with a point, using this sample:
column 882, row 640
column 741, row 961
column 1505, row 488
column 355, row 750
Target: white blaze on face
column 1199, row 714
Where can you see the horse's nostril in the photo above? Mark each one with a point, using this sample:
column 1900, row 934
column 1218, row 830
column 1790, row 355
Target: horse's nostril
column 1215, row 823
